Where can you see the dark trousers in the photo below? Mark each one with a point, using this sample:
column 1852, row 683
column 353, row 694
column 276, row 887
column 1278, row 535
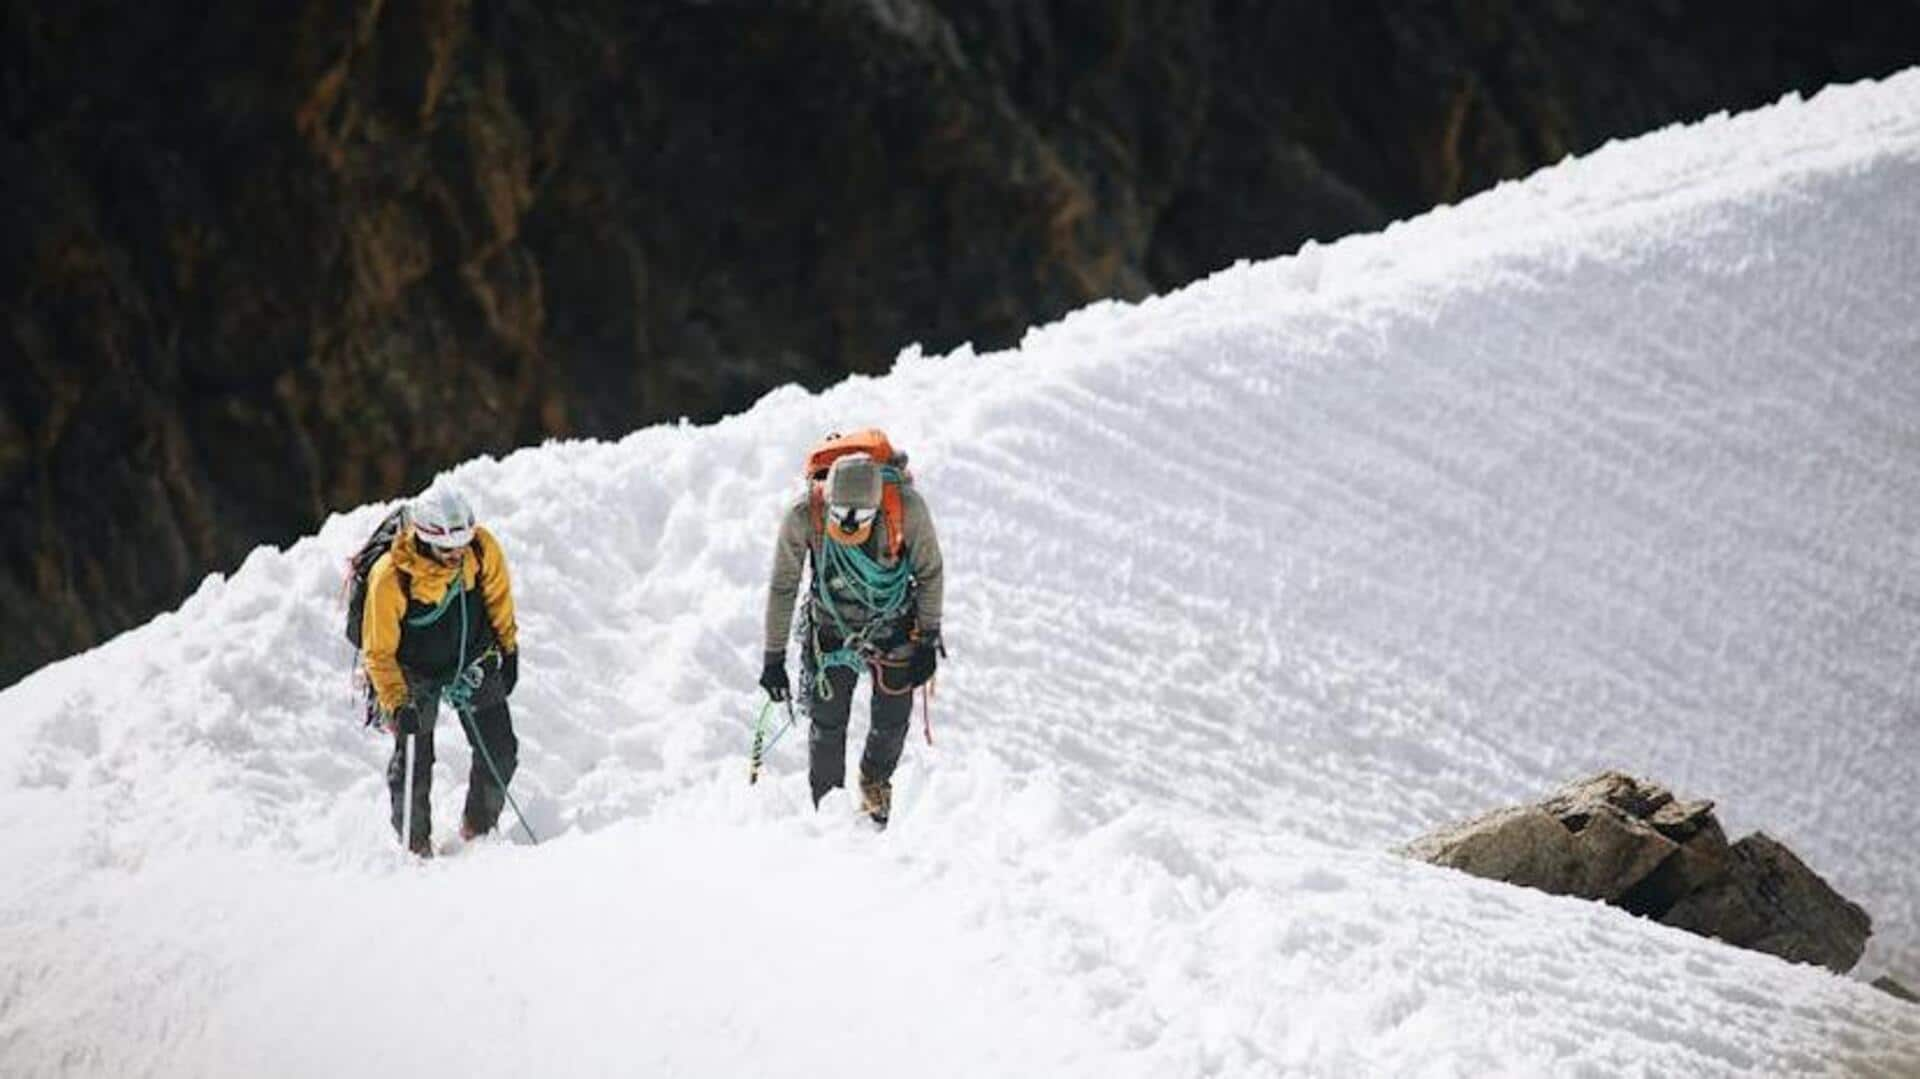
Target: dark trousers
column 827, row 731
column 494, row 725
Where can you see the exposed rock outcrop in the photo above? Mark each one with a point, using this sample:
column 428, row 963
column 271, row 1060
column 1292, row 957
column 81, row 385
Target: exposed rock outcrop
column 1633, row 844
column 261, row 262
column 1886, row 984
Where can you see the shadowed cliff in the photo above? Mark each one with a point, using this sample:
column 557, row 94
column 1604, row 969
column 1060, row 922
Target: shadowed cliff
column 255, row 269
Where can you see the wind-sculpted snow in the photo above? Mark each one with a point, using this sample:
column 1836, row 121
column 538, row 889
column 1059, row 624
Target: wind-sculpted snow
column 1617, row 467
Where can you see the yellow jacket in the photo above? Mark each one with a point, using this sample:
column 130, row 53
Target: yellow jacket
column 383, row 624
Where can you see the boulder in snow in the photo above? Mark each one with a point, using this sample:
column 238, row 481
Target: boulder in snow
column 1771, row 902
column 1633, row 844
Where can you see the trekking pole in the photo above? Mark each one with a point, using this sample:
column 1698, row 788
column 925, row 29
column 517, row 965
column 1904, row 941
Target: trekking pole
column 473, row 731
column 406, row 811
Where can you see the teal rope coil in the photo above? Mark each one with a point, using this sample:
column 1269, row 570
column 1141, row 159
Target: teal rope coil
column 882, row 591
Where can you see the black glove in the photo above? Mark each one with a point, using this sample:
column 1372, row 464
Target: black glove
column 510, row 670
column 406, row 718
column 924, row 660
column 773, row 676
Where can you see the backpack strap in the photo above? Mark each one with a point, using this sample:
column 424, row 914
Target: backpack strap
column 893, row 511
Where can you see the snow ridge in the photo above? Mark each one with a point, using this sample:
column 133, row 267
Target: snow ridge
column 1615, row 467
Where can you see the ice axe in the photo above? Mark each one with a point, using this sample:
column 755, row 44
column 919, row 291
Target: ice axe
column 406, row 811
column 761, row 743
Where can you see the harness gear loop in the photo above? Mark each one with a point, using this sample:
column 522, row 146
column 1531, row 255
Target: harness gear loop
column 880, row 668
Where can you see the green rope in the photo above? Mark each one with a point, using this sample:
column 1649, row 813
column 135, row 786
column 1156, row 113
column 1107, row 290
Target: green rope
column 861, row 579
column 459, row 690
column 459, row 693
column 456, row 588
column 473, row 731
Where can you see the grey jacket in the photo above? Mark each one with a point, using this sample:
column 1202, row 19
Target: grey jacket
column 797, row 540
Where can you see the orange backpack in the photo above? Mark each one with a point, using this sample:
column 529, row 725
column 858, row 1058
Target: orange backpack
column 872, row 442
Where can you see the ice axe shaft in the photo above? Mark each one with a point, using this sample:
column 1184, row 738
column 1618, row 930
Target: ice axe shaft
column 761, row 743
column 758, row 752
column 926, row 710
column 406, row 803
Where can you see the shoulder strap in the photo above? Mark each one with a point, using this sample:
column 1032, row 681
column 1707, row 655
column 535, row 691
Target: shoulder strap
column 893, row 509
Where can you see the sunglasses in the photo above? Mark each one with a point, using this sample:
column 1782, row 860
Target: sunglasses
column 851, row 517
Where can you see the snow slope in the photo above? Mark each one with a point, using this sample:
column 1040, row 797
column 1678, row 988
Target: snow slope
column 1616, row 467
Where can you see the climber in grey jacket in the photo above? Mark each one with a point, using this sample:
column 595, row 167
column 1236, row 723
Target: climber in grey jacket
column 873, row 603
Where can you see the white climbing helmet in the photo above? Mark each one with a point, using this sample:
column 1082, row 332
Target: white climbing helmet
column 442, row 518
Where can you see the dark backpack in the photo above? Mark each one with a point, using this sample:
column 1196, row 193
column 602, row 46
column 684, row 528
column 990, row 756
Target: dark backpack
column 362, row 562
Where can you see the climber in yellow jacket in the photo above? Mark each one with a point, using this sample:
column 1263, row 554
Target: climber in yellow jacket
column 439, row 624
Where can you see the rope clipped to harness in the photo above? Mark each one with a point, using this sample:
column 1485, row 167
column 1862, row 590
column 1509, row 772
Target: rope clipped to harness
column 881, row 591
column 458, row 691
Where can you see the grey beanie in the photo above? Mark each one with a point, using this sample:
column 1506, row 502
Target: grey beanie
column 854, row 481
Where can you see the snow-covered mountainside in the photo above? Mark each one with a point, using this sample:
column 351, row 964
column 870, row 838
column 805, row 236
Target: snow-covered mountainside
column 1616, row 467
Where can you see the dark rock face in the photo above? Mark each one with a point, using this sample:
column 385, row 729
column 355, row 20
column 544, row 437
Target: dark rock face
column 1634, row 845
column 1771, row 902
column 260, row 262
